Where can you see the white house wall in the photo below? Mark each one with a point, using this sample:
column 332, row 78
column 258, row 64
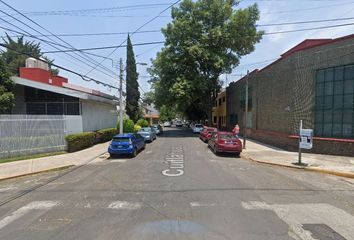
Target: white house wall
column 96, row 115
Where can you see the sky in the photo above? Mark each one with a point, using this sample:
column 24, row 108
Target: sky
column 108, row 16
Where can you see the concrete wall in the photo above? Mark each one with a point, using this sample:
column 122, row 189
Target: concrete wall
column 96, row 115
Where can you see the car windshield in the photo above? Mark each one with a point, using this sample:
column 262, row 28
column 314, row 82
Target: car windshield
column 145, row 130
column 121, row 139
column 198, row 125
column 228, row 136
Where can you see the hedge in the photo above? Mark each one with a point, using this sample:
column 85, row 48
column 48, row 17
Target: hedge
column 105, row 135
column 142, row 123
column 80, row 141
column 128, row 125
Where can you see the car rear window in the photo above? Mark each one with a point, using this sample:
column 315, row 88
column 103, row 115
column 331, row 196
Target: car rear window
column 198, row 125
column 228, row 136
column 121, row 139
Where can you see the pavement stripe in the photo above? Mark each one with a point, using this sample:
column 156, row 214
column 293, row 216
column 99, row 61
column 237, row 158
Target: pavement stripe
column 124, row 205
column 200, row 204
column 38, row 205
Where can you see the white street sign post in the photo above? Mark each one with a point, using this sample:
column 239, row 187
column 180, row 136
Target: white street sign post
column 305, row 140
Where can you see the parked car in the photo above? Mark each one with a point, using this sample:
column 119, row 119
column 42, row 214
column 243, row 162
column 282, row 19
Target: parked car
column 226, row 142
column 148, row 133
column 179, row 124
column 206, row 134
column 158, row 129
column 197, row 128
column 167, row 124
column 128, row 143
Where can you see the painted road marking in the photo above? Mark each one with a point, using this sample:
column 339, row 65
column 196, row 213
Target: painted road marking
column 38, row 205
column 125, row 205
column 295, row 215
column 175, row 161
column 200, row 204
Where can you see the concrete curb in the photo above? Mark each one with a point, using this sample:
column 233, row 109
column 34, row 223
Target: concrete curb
column 312, row 169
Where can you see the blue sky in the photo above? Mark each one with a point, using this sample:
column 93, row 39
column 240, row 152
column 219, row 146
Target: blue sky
column 128, row 20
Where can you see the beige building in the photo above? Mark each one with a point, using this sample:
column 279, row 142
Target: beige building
column 219, row 111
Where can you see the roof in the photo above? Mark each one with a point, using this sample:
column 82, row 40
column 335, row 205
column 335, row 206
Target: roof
column 308, row 44
column 124, row 135
column 65, row 91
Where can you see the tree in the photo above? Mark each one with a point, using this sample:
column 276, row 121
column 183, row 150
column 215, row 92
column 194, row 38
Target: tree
column 142, row 123
column 14, row 60
column 132, row 85
column 205, row 39
column 167, row 113
column 7, row 98
column 149, row 98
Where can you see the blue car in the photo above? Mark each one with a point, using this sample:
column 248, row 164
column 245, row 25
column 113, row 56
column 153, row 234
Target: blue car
column 128, row 143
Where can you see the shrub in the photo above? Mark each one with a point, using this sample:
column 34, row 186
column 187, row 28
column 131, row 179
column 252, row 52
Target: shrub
column 80, row 141
column 107, row 134
column 142, row 123
column 137, row 128
column 128, row 126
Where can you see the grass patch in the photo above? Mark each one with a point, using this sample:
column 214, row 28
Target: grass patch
column 40, row 155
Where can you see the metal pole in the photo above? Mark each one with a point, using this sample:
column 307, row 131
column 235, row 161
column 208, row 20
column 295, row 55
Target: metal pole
column 299, row 161
column 120, row 96
column 246, row 113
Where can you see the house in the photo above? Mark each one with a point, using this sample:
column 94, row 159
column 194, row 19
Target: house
column 312, row 82
column 38, row 92
column 219, row 111
column 150, row 113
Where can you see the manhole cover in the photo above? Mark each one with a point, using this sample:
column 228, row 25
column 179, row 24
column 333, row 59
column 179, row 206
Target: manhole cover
column 322, row 232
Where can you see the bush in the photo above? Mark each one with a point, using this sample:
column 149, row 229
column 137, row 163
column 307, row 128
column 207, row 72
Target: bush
column 80, row 141
column 105, row 135
column 142, row 123
column 128, row 126
column 137, row 128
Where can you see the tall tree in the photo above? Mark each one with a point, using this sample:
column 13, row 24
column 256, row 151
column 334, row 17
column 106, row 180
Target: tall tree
column 205, row 39
column 132, row 85
column 7, row 98
column 14, row 60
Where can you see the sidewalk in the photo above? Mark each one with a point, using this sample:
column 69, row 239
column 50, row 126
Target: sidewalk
column 262, row 153
column 24, row 167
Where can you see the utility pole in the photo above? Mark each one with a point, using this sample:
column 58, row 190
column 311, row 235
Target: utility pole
column 120, row 96
column 246, row 112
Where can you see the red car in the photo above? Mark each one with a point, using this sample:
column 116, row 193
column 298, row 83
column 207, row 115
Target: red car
column 205, row 135
column 226, row 142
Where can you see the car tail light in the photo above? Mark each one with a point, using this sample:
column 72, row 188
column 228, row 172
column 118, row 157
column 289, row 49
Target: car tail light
column 221, row 141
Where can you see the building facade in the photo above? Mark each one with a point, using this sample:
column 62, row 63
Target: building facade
column 219, row 117
column 312, row 82
column 37, row 92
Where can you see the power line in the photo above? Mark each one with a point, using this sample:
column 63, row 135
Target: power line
column 305, row 22
column 84, row 56
column 146, row 23
column 105, row 47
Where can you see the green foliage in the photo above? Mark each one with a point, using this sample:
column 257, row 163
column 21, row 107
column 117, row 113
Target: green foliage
column 80, row 141
column 105, row 135
column 142, row 123
column 205, row 39
column 137, row 128
column 14, row 60
column 167, row 113
column 149, row 98
column 128, row 126
column 7, row 98
column 132, row 89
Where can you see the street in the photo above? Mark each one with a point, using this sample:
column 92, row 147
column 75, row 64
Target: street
column 177, row 189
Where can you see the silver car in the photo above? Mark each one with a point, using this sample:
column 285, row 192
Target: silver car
column 148, row 134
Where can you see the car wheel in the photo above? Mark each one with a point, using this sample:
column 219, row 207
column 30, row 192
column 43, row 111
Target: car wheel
column 135, row 152
column 111, row 155
column 144, row 146
column 237, row 154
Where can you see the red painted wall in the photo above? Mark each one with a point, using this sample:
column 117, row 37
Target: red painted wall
column 41, row 75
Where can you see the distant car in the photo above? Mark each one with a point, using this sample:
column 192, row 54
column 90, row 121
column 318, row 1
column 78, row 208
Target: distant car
column 179, row 124
column 158, row 129
column 226, row 142
column 128, row 143
column 206, row 134
column 167, row 124
column 148, row 133
column 197, row 128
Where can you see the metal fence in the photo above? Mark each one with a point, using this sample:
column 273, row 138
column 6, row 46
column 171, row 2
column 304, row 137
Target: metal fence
column 31, row 134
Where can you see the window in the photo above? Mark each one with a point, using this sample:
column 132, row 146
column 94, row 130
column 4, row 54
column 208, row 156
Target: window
column 223, row 99
column 334, row 102
column 219, row 101
column 215, row 119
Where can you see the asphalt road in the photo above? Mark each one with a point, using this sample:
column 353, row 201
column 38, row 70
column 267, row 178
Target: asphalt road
column 177, row 189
